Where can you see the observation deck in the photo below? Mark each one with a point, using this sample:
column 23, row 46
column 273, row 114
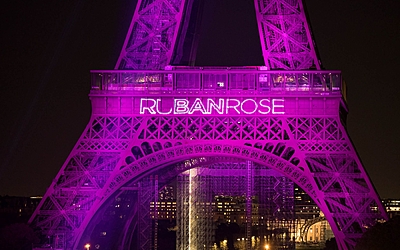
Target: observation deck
column 215, row 81
column 214, row 91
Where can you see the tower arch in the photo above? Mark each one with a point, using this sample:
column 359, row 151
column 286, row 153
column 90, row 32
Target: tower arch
column 288, row 119
column 186, row 157
column 305, row 141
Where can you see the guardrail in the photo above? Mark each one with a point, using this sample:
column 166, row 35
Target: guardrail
column 217, row 79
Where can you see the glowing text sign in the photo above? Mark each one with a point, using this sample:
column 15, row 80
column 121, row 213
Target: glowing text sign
column 209, row 106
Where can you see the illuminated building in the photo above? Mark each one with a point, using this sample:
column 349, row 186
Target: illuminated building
column 392, row 207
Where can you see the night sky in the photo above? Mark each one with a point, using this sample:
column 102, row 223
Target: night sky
column 48, row 48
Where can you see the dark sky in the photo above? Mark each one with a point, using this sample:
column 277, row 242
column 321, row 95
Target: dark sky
column 48, row 47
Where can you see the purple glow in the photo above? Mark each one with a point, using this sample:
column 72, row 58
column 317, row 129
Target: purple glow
column 144, row 120
column 210, row 106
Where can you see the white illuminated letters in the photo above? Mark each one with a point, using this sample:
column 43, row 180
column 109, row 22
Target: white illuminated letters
column 145, row 105
column 181, row 106
column 254, row 108
column 212, row 106
column 275, row 106
column 229, row 106
column 158, row 109
column 262, row 104
column 197, row 106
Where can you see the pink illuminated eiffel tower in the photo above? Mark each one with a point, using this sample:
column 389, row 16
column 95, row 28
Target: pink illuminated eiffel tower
column 153, row 119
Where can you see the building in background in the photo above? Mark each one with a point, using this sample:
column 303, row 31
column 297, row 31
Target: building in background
column 392, row 207
column 14, row 209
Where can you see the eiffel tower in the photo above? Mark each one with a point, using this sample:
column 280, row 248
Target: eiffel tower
column 153, row 120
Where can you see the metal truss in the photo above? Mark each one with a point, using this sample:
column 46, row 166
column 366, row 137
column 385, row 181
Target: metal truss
column 314, row 152
column 276, row 209
column 152, row 35
column 249, row 202
column 146, row 195
column 285, row 36
column 196, row 227
column 182, row 205
column 214, row 128
column 254, row 197
column 120, row 147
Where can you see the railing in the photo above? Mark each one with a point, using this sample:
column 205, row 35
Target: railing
column 217, row 79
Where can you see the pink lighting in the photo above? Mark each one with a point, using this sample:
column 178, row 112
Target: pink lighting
column 149, row 118
column 210, row 106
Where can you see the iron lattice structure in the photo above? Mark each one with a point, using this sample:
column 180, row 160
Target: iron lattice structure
column 153, row 36
column 149, row 121
column 239, row 193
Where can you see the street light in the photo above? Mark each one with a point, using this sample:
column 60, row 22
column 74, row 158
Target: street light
column 266, row 246
column 87, row 246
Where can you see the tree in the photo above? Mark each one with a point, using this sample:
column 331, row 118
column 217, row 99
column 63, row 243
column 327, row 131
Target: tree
column 381, row 236
column 17, row 236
